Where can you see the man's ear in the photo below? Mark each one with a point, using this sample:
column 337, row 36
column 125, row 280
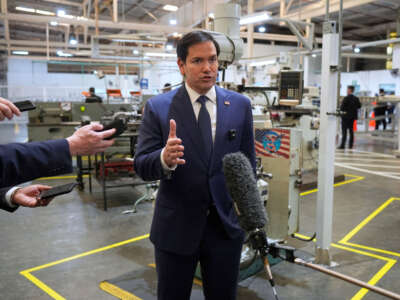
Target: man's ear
column 181, row 65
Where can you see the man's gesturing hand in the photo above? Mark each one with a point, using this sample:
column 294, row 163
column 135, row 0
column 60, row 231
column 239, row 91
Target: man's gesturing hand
column 173, row 150
column 29, row 196
column 8, row 109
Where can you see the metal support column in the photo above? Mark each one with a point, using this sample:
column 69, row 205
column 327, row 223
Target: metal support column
column 326, row 159
column 250, row 43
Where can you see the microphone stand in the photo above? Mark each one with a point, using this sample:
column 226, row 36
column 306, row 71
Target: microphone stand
column 258, row 240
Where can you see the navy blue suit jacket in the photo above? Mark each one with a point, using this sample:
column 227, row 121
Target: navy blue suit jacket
column 24, row 162
column 182, row 203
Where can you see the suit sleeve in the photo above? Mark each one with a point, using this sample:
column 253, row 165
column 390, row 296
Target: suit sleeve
column 247, row 143
column 150, row 144
column 24, row 162
column 3, row 203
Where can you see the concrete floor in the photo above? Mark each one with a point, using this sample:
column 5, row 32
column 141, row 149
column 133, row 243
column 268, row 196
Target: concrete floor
column 76, row 223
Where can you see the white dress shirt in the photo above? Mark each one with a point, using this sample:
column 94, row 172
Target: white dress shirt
column 211, row 106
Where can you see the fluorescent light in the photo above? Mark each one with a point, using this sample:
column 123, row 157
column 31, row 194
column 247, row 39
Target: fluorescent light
column 53, row 23
column 61, row 53
column 136, row 52
column 314, row 55
column 73, row 41
column 173, row 22
column 160, row 54
column 60, row 12
column 357, row 50
column 169, row 47
column 254, row 18
column 44, row 12
column 169, row 7
column 262, row 29
column 262, row 63
column 211, row 15
column 21, row 52
column 26, row 9
column 68, row 16
column 81, row 18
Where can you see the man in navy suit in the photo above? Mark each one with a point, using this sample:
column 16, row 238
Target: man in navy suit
column 184, row 136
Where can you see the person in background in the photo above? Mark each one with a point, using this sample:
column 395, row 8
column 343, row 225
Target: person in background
column 350, row 106
column 167, row 87
column 93, row 98
column 380, row 111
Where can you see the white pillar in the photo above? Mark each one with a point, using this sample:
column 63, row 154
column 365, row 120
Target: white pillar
column 307, row 69
column 327, row 148
column 397, row 152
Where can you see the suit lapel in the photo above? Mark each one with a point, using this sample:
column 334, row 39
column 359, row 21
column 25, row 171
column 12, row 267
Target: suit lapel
column 181, row 110
column 222, row 112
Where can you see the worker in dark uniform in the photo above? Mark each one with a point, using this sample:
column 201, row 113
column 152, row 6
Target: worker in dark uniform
column 93, row 98
column 350, row 106
column 380, row 111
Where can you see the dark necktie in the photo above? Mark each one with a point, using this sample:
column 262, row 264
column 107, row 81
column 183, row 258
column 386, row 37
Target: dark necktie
column 204, row 123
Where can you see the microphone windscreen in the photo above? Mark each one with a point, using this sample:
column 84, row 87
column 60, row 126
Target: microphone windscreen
column 242, row 187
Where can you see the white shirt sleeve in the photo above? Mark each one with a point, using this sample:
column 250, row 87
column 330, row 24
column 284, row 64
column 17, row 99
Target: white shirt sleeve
column 164, row 165
column 9, row 194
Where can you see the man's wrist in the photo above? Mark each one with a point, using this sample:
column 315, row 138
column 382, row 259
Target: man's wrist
column 72, row 145
column 164, row 164
column 10, row 196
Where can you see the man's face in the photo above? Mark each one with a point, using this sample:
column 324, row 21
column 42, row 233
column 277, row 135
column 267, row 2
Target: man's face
column 201, row 66
column 349, row 92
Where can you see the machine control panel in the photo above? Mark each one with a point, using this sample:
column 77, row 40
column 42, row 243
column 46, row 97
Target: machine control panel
column 290, row 87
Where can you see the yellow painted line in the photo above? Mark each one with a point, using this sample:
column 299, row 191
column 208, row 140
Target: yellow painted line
column 42, row 286
column 345, row 240
column 355, row 178
column 195, row 281
column 367, row 220
column 378, row 276
column 53, row 293
column 117, row 291
column 61, row 177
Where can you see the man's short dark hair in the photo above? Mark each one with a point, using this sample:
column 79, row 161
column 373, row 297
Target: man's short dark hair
column 91, row 89
column 351, row 87
column 167, row 85
column 193, row 38
column 381, row 91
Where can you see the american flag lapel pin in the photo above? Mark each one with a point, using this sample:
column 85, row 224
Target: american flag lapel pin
column 227, row 103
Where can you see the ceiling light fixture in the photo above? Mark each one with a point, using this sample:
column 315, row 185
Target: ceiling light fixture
column 44, row 12
column 357, row 50
column 61, row 53
column 262, row 63
column 18, row 52
column 26, row 9
column 254, row 18
column 136, row 52
column 173, row 22
column 60, row 12
column 211, row 15
column 53, row 23
column 262, row 29
column 314, row 55
column 160, row 54
column 169, row 47
column 169, row 7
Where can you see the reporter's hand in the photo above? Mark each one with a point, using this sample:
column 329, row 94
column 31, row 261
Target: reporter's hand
column 173, row 150
column 29, row 196
column 88, row 140
column 8, row 109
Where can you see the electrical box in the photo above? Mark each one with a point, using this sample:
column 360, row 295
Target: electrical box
column 290, row 88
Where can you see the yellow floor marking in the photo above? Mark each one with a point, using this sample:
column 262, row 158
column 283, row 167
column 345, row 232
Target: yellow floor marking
column 117, row 291
column 355, row 178
column 345, row 240
column 61, row 177
column 378, row 276
column 53, row 293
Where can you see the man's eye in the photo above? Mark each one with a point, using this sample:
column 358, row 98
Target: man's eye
column 196, row 61
column 213, row 60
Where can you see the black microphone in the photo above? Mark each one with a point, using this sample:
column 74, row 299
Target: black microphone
column 242, row 187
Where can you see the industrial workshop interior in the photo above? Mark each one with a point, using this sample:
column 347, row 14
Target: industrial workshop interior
column 199, row 149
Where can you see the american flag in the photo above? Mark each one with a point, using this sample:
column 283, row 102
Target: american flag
column 270, row 139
